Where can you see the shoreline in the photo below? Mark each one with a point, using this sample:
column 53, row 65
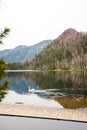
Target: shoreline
column 57, row 70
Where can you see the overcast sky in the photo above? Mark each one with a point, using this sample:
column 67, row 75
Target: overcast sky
column 32, row 21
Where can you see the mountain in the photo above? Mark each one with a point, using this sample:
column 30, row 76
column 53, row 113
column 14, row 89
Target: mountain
column 68, row 51
column 22, row 53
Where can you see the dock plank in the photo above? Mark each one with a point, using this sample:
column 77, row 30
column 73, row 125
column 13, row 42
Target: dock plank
column 43, row 112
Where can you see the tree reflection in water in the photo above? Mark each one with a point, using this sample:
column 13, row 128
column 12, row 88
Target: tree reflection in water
column 67, row 88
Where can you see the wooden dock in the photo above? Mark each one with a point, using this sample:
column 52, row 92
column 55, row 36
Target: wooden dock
column 43, row 112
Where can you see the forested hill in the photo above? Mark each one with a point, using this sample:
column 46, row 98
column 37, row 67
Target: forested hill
column 67, row 51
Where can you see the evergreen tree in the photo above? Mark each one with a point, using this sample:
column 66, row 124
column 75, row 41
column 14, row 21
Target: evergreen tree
column 3, row 84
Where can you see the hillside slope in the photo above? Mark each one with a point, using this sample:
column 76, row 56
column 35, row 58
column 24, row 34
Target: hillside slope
column 22, row 53
column 67, row 51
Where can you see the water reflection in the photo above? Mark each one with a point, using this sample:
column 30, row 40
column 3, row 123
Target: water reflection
column 66, row 88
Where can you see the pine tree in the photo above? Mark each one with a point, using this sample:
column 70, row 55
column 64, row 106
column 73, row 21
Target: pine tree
column 3, row 84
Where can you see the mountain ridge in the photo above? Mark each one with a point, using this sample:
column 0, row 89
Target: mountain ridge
column 67, row 52
column 22, row 52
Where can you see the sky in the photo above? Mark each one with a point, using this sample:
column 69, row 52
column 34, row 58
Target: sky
column 32, row 21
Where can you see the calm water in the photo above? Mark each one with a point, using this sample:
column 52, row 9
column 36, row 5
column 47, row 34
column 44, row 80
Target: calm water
column 52, row 89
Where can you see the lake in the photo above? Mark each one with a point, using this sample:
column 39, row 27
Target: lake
column 50, row 89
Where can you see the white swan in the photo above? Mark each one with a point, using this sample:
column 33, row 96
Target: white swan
column 31, row 90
